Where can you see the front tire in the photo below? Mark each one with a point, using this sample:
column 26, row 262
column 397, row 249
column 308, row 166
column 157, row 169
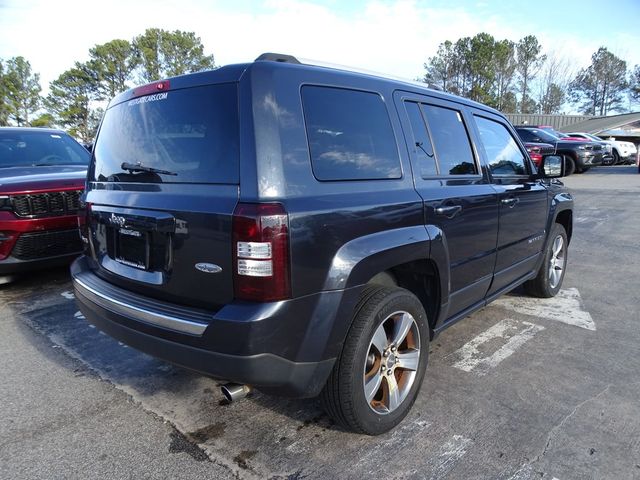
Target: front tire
column 378, row 374
column 616, row 158
column 549, row 279
column 570, row 166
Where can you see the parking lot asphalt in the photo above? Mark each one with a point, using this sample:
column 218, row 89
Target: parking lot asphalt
column 523, row 389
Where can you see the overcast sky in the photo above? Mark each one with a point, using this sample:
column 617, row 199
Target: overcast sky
column 392, row 36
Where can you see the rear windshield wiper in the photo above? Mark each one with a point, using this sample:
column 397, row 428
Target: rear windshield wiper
column 136, row 167
column 54, row 164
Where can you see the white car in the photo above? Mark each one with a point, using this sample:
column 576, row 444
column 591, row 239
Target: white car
column 623, row 152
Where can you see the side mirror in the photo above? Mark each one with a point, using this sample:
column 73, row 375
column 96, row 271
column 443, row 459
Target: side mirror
column 553, row 166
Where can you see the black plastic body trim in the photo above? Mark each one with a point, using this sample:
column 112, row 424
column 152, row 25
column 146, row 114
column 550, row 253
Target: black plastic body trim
column 266, row 371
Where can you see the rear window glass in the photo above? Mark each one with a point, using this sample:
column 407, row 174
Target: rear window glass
column 350, row 135
column 40, row 148
column 192, row 133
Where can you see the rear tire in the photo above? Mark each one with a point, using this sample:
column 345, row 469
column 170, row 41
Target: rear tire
column 549, row 279
column 378, row 374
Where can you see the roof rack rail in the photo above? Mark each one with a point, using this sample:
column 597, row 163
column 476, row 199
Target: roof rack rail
column 284, row 58
column 277, row 57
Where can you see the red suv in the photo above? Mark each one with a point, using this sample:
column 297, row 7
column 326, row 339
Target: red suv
column 42, row 175
column 537, row 151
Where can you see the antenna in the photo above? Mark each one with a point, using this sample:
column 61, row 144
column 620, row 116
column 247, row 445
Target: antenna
column 277, row 57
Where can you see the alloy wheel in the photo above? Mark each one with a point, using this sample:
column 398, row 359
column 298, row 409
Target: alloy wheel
column 392, row 361
column 557, row 261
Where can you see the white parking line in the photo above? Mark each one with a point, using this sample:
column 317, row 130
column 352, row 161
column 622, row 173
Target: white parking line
column 396, row 441
column 406, row 438
column 513, row 334
column 525, row 472
column 68, row 295
column 566, row 307
column 448, row 455
column 79, row 315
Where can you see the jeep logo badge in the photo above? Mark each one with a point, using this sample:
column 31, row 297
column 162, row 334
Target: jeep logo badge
column 208, row 267
column 117, row 220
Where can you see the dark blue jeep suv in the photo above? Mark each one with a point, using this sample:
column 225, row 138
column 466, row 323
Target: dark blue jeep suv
column 308, row 230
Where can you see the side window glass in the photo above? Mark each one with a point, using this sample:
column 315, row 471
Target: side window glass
column 421, row 141
column 350, row 135
column 503, row 154
column 450, row 141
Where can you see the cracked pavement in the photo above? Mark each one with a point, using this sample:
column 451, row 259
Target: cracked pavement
column 557, row 401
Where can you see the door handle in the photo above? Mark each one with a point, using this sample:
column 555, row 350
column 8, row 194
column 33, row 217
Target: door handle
column 510, row 202
column 450, row 211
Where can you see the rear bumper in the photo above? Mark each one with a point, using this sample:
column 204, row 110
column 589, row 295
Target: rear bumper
column 285, row 348
column 266, row 371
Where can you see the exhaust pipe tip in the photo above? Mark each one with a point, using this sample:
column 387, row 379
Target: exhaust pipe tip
column 235, row 391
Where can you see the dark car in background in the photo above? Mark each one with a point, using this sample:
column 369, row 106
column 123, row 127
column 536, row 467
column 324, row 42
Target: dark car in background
column 607, row 156
column 552, row 131
column 42, row 176
column 579, row 156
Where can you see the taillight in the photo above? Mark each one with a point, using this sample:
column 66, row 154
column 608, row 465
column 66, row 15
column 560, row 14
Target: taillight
column 84, row 213
column 535, row 155
column 537, row 158
column 261, row 252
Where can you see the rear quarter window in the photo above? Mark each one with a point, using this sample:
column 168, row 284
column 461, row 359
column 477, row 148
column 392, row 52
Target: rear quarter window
column 350, row 135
